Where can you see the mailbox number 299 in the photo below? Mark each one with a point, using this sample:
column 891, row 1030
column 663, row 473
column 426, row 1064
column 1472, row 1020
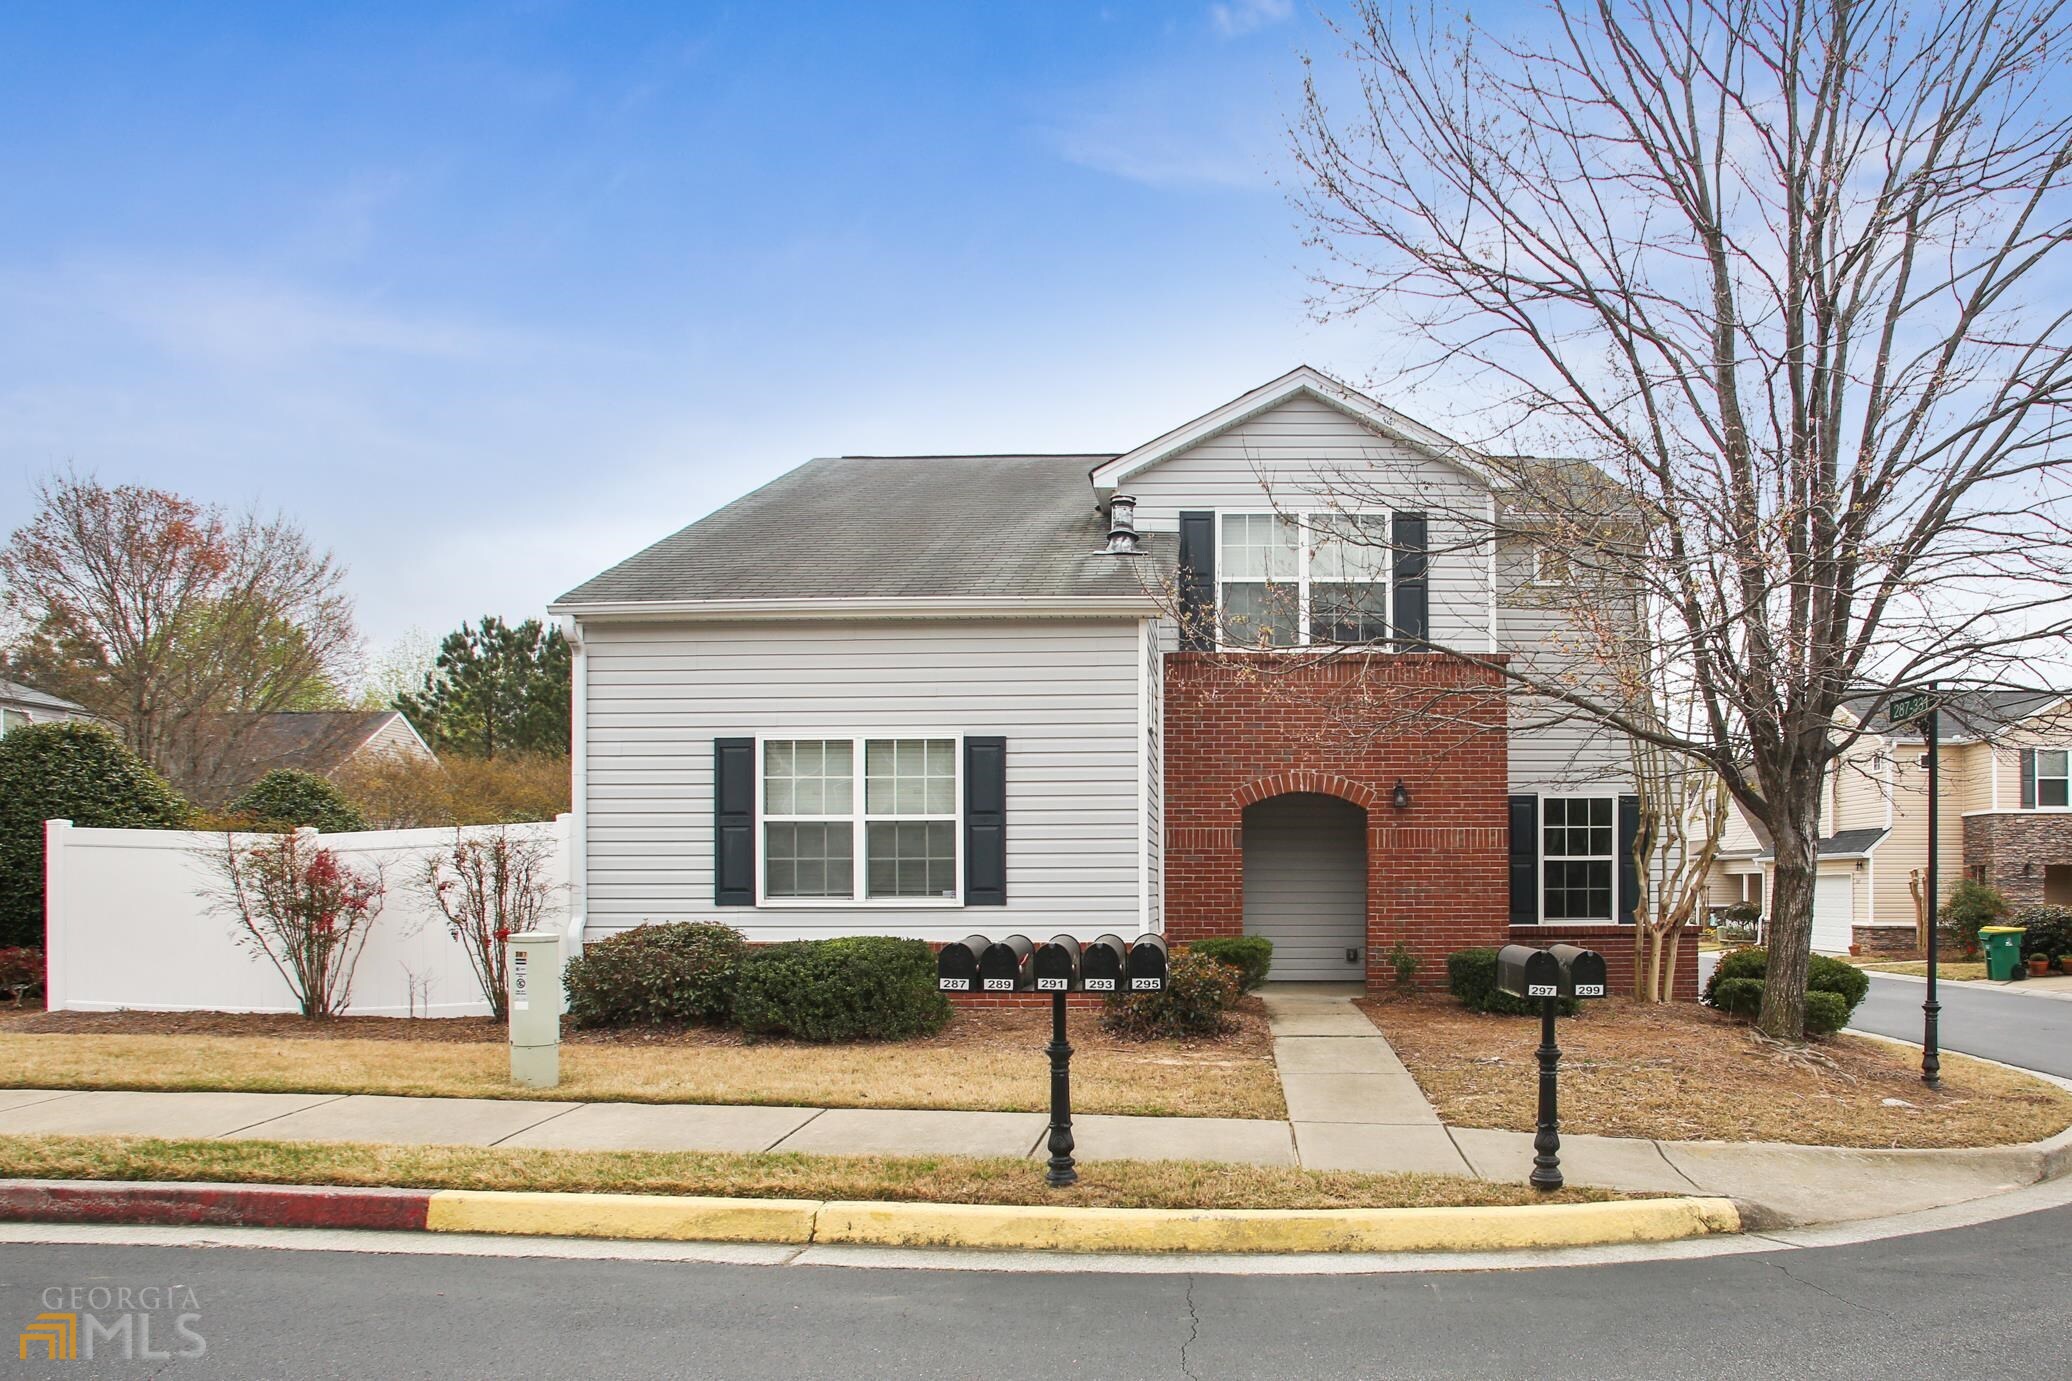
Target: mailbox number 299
column 1589, row 990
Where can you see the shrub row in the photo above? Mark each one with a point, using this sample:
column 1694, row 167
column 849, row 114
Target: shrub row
column 1199, row 990
column 863, row 987
column 1833, row 988
column 1471, row 977
column 1250, row 955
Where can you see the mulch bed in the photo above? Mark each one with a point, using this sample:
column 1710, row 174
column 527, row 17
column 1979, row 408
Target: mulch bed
column 1679, row 1072
column 1006, row 1029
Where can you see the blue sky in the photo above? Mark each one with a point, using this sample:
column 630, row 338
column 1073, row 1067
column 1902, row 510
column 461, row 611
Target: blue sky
column 490, row 295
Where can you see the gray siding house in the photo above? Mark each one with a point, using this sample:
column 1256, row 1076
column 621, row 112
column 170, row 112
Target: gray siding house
column 933, row 695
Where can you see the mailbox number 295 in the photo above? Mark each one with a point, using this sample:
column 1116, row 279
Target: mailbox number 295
column 1144, row 984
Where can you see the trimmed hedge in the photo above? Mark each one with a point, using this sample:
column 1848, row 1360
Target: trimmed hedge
column 286, row 799
column 2046, row 930
column 1833, row 988
column 858, row 987
column 69, row 771
column 656, row 975
column 1471, row 977
column 1198, row 991
column 1250, row 955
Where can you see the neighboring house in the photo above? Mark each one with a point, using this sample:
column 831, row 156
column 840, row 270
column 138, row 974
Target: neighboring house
column 20, row 704
column 918, row 695
column 322, row 742
column 2005, row 819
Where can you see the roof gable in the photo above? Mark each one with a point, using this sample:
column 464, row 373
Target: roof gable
column 1302, row 381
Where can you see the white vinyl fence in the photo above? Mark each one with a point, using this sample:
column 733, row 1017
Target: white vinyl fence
column 131, row 925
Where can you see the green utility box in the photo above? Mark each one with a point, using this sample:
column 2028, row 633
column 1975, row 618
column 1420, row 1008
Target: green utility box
column 2003, row 947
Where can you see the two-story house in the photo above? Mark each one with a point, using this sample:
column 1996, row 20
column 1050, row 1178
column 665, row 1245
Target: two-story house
column 1185, row 688
column 2005, row 818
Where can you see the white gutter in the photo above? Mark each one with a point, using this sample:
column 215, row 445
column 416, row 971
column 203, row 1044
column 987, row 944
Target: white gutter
column 939, row 606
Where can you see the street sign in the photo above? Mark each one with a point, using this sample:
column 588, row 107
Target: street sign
column 1911, row 706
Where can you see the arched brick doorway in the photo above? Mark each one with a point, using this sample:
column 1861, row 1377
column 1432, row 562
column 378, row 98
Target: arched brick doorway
column 1305, row 885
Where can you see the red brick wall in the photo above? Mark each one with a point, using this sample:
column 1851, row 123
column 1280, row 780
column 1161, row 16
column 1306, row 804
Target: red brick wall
column 1240, row 729
column 1615, row 943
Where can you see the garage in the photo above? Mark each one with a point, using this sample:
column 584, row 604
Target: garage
column 1306, row 886
column 1834, row 912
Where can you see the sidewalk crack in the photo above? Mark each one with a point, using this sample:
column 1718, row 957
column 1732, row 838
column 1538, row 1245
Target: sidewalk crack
column 530, row 1126
column 1674, row 1167
column 1193, row 1328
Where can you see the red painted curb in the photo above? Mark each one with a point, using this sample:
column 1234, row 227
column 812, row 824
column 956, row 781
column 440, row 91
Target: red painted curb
column 212, row 1205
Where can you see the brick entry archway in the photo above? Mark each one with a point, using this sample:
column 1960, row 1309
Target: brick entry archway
column 1239, row 729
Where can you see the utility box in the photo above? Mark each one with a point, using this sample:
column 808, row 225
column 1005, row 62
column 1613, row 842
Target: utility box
column 535, row 1009
column 1056, row 965
column 1523, row 971
column 1103, row 964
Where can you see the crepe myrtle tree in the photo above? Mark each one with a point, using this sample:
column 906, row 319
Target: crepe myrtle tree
column 1783, row 281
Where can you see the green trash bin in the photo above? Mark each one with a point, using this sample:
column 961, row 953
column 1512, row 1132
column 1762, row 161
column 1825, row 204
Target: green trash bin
column 2003, row 946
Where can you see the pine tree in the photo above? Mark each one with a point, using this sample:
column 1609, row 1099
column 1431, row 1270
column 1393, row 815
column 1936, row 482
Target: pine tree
column 496, row 689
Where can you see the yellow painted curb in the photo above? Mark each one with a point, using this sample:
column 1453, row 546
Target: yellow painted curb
column 798, row 1222
column 660, row 1217
column 1273, row 1230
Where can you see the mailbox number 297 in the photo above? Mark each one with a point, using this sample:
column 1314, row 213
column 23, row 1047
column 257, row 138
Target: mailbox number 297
column 1541, row 990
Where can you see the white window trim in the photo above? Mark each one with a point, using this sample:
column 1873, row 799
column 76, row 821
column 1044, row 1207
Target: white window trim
column 2039, row 808
column 1302, row 516
column 859, row 881
column 1540, row 856
column 1539, row 575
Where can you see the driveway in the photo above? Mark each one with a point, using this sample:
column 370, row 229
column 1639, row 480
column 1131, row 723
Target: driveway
column 2015, row 1028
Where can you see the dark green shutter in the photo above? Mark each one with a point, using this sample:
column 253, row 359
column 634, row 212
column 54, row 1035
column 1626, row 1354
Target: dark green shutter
column 733, row 822
column 1197, row 578
column 1628, row 835
column 2028, row 779
column 1525, row 860
column 1411, row 600
column 985, row 822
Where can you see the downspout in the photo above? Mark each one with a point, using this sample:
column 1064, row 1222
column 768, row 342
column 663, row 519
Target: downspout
column 579, row 786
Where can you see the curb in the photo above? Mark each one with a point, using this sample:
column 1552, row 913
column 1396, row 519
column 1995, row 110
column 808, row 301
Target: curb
column 807, row 1222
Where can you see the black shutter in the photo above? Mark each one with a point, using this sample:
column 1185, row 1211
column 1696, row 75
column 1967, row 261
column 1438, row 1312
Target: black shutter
column 2028, row 779
column 985, row 822
column 1198, row 582
column 1412, row 603
column 733, row 822
column 1627, row 835
column 1525, row 860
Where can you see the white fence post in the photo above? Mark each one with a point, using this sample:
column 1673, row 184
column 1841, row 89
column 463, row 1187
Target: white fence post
column 55, row 974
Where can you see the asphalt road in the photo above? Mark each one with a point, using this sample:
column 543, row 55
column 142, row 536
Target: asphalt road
column 2032, row 1032
column 1985, row 1301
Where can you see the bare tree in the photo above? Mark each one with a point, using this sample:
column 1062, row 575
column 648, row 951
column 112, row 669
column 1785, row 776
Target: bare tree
column 1787, row 271
column 490, row 887
column 176, row 621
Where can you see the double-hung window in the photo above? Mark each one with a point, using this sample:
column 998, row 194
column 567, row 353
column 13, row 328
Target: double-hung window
column 826, row 836
column 1290, row 580
column 1577, row 858
column 2053, row 777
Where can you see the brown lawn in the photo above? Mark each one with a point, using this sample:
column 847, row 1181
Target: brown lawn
column 1682, row 1072
column 936, row 1179
column 986, row 1060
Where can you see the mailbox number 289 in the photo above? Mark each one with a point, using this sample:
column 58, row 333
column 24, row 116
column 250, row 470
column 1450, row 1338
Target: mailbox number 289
column 999, row 985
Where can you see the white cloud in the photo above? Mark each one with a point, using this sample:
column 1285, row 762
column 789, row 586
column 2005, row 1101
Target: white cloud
column 1246, row 16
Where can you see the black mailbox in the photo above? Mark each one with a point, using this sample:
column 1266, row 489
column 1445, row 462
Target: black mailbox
column 1102, row 966
column 1582, row 971
column 1523, row 971
column 1004, row 966
column 1056, row 965
column 1148, row 964
column 956, row 964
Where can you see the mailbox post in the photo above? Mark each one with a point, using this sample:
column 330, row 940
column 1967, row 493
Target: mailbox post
column 1549, row 975
column 1056, row 967
column 535, row 1003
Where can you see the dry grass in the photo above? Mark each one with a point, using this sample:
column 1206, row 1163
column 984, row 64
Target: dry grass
column 1682, row 1072
column 1956, row 972
column 938, row 1179
column 989, row 1061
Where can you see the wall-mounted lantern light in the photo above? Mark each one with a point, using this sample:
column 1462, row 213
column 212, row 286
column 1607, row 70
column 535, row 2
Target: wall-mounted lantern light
column 1400, row 797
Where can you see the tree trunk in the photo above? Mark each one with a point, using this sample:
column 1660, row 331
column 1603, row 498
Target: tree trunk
column 1791, row 933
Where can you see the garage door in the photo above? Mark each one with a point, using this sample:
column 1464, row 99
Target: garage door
column 1834, row 912
column 1306, row 885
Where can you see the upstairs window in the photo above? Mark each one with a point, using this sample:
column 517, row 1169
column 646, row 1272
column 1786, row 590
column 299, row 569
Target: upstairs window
column 2053, row 780
column 1576, row 858
column 902, row 823
column 1303, row 580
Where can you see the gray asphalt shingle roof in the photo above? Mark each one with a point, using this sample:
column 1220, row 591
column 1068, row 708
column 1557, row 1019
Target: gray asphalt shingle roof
column 891, row 527
column 20, row 694
column 1842, row 843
